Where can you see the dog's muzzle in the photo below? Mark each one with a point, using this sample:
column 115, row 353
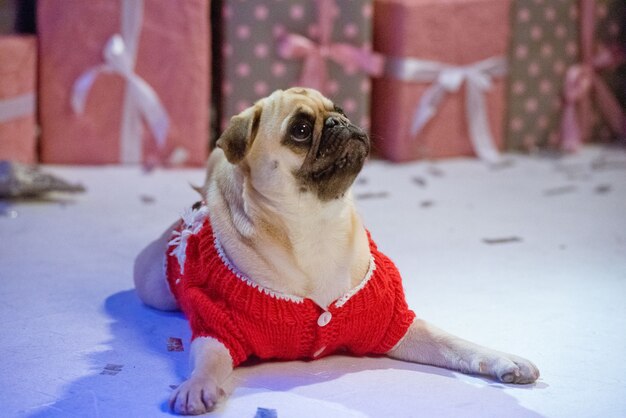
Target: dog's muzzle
column 337, row 135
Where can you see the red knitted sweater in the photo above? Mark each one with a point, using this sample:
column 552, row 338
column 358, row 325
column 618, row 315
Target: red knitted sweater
column 249, row 320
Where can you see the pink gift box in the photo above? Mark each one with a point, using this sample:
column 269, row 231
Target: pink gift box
column 451, row 32
column 172, row 59
column 18, row 66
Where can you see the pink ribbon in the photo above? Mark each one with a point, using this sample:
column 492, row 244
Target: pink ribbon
column 582, row 79
column 316, row 54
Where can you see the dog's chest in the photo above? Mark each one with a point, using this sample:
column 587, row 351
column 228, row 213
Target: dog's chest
column 325, row 279
column 328, row 263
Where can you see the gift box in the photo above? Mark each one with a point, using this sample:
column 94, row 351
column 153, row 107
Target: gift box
column 18, row 67
column 556, row 92
column 544, row 45
column 124, row 81
column 610, row 58
column 323, row 44
column 7, row 16
column 442, row 93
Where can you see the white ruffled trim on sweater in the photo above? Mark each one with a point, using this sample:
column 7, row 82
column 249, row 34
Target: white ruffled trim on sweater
column 283, row 296
column 247, row 280
column 370, row 272
column 193, row 220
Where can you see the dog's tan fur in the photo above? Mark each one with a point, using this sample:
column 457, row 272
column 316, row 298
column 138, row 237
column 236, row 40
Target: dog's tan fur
column 270, row 225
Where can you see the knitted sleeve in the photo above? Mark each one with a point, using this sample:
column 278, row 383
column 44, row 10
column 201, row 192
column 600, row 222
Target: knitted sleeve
column 402, row 317
column 207, row 315
column 209, row 318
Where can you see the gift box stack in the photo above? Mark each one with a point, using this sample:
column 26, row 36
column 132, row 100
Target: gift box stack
column 131, row 81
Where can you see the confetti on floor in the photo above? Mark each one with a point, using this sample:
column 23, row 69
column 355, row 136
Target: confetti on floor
column 265, row 413
column 112, row 369
column 147, row 199
column 175, row 344
column 420, row 181
column 503, row 240
column 435, row 171
column 559, row 190
column 372, row 195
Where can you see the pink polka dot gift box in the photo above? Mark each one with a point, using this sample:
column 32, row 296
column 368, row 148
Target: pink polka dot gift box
column 442, row 93
column 124, row 81
column 276, row 44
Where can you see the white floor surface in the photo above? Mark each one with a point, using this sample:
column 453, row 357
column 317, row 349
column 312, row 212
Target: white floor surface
column 529, row 259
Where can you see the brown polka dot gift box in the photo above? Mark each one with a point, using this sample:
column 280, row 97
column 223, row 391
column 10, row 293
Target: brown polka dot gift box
column 276, row 44
column 610, row 62
column 443, row 89
column 124, row 81
column 18, row 67
column 563, row 58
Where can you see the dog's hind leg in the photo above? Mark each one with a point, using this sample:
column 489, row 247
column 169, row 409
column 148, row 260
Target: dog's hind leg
column 426, row 344
column 149, row 274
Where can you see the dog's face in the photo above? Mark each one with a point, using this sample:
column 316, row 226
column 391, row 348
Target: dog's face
column 296, row 141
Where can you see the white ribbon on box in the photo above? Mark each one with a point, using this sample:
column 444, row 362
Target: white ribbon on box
column 17, row 107
column 140, row 101
column 445, row 79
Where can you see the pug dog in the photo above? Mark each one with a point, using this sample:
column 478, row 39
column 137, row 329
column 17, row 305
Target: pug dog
column 275, row 262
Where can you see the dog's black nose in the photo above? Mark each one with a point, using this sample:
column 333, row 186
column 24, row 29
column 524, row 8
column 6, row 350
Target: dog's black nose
column 332, row 121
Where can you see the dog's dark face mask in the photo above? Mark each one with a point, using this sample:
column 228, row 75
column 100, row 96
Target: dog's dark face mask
column 334, row 155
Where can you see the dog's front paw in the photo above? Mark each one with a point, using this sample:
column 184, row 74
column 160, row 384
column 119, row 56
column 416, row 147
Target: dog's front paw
column 513, row 369
column 196, row 396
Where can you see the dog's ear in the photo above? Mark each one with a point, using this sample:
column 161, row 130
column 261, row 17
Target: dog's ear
column 236, row 140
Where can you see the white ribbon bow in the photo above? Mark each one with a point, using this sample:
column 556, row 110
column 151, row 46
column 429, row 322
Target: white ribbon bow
column 448, row 79
column 16, row 107
column 193, row 220
column 141, row 101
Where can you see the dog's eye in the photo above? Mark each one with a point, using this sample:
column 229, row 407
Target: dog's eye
column 301, row 131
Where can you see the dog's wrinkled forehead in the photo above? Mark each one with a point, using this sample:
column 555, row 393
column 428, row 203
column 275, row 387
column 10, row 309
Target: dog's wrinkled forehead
column 300, row 100
column 310, row 97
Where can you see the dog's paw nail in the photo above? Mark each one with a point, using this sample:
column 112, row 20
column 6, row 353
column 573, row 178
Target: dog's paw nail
column 195, row 397
column 508, row 377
